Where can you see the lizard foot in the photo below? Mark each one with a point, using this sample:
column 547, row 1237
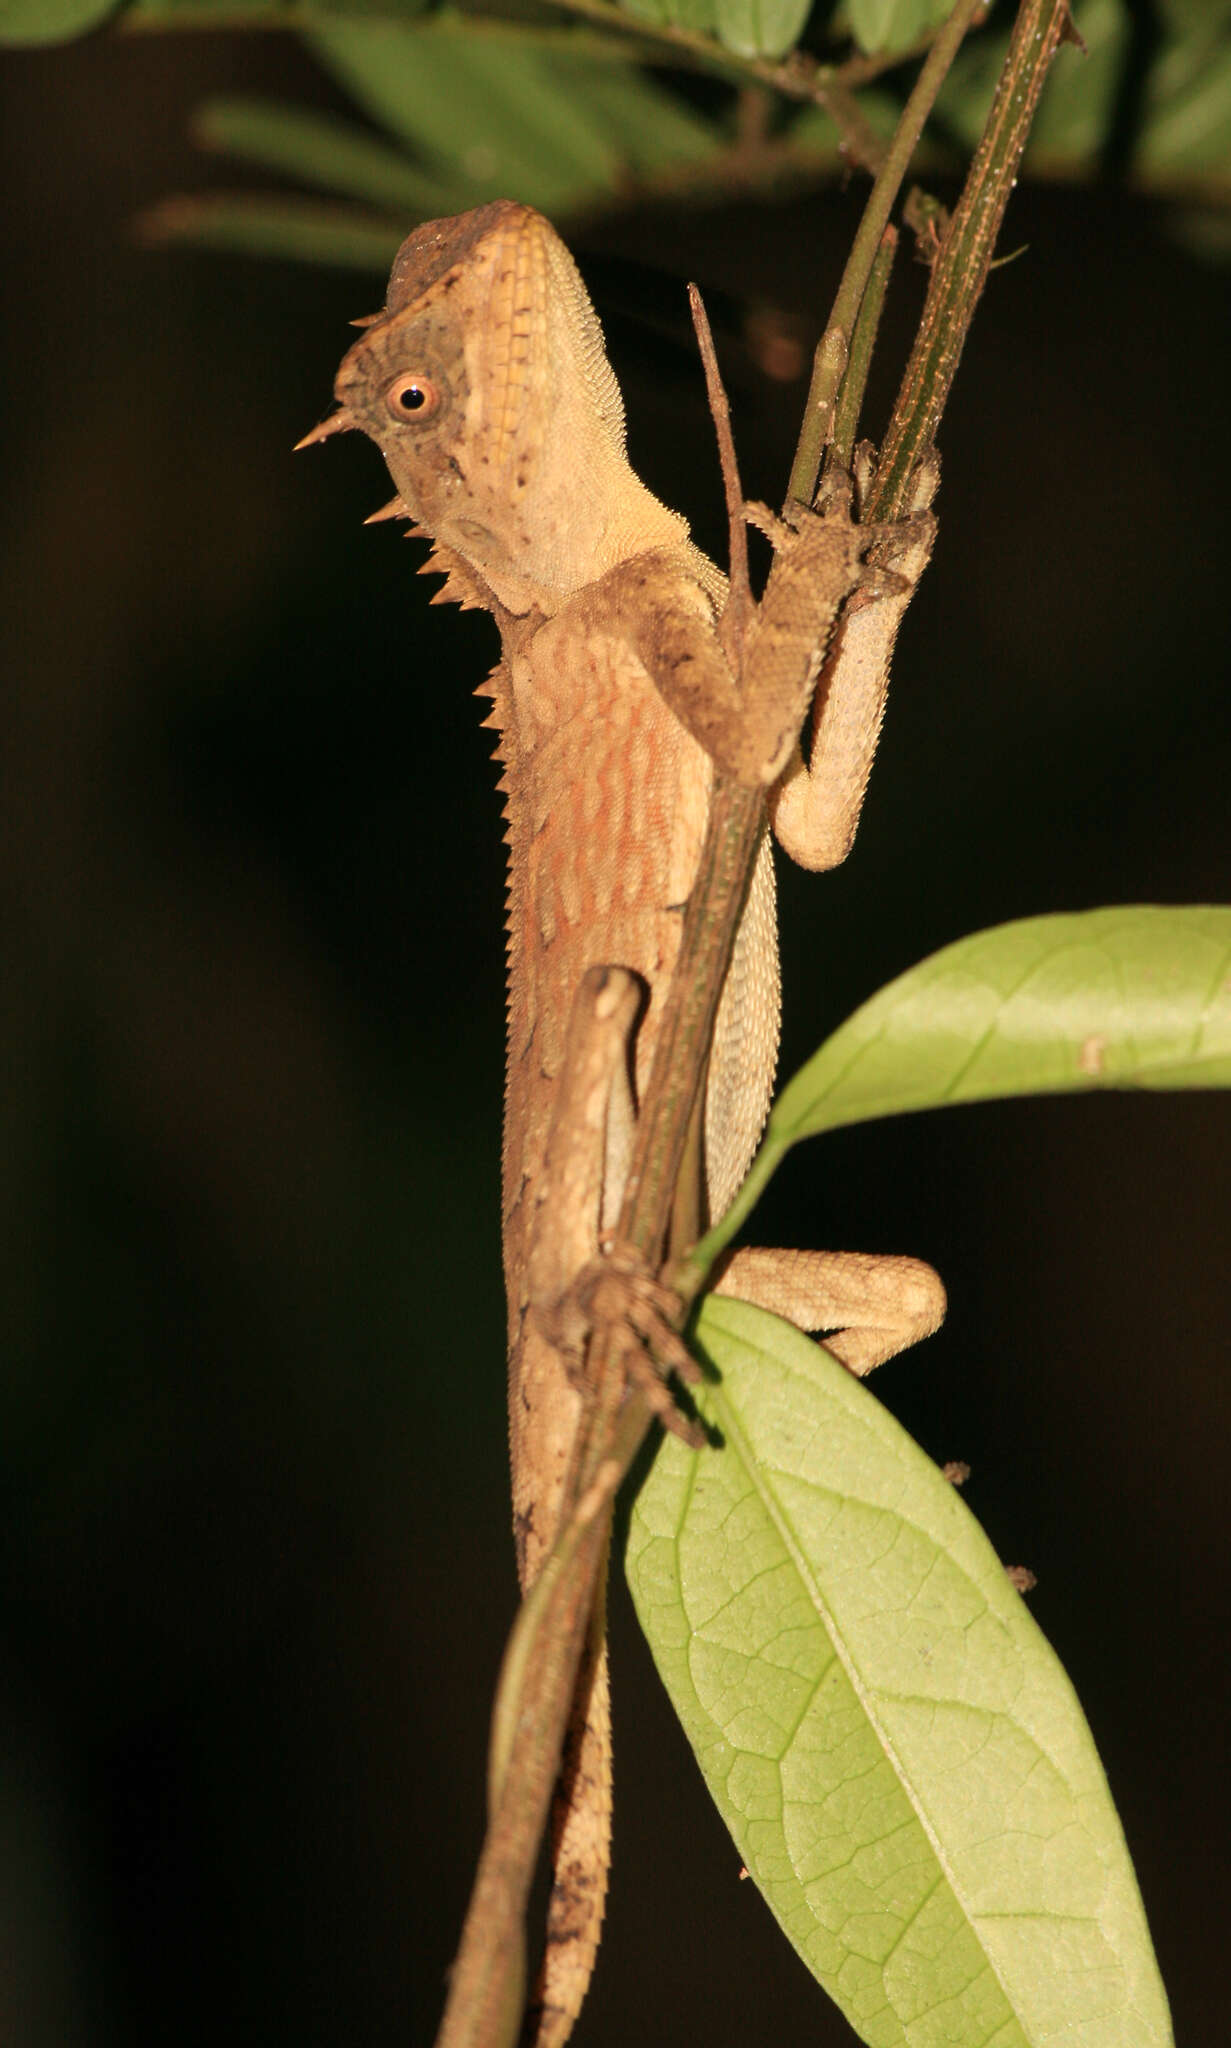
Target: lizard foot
column 618, row 1295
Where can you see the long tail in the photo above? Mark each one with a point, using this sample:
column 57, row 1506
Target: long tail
column 580, row 1851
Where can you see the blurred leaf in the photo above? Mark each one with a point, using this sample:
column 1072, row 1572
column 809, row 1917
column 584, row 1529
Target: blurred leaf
column 698, row 16
column 814, row 129
column 894, row 1746
column 761, row 28
column 1138, row 997
column 1205, row 233
column 490, row 114
column 1188, row 114
column 1077, row 100
column 181, row 14
column 1201, row 16
column 894, row 24
column 50, row 21
column 1185, row 106
column 650, row 128
column 495, row 117
column 302, row 229
column 324, row 150
column 1080, row 95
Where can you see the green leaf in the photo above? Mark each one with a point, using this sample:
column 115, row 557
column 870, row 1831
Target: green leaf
column 304, row 231
column 1138, row 997
column 894, row 24
column 896, row 1750
column 323, row 150
column 650, row 129
column 1078, row 98
column 813, row 131
column 494, row 116
column 50, row 21
column 203, row 14
column 1078, row 101
column 1197, row 16
column 761, row 28
column 1188, row 118
column 1185, row 122
column 490, row 114
column 699, row 16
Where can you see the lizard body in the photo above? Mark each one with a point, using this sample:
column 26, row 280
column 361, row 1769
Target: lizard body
column 486, row 386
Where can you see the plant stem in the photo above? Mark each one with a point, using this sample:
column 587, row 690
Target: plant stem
column 832, row 349
column 960, row 270
column 863, row 342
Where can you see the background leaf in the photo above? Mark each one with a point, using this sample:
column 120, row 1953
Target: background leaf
column 1188, row 114
column 294, row 230
column 321, row 149
column 1179, row 81
column 50, row 21
column 894, row 1746
column 488, row 111
column 1078, row 97
column 701, row 16
column 761, row 28
column 495, row 116
column 894, row 24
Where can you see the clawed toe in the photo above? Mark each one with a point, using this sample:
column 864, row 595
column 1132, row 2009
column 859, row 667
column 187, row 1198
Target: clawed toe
column 618, row 1293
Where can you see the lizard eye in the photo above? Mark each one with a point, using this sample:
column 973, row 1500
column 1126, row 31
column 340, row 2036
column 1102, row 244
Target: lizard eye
column 412, row 397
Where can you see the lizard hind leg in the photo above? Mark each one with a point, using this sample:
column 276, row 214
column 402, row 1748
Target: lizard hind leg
column 871, row 1306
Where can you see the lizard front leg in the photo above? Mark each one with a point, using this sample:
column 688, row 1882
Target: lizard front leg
column 815, row 807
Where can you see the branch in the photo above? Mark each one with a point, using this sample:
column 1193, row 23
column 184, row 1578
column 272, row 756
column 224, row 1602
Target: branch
column 964, row 258
column 834, row 345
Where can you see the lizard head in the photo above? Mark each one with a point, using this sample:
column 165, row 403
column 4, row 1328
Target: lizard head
column 486, row 387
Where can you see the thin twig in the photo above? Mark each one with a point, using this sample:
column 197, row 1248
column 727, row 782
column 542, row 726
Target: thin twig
column 739, row 591
column 960, row 270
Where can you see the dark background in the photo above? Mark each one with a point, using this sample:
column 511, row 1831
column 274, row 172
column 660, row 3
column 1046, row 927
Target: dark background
column 257, row 1569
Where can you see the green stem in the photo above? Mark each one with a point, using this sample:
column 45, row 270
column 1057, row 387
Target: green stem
column 863, row 341
column 960, row 270
column 834, row 345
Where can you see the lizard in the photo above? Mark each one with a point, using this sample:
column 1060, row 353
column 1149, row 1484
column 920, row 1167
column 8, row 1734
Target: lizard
column 484, row 382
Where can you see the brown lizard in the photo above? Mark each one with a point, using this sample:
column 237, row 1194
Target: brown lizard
column 485, row 384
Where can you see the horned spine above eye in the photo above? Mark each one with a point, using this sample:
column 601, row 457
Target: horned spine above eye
column 412, row 397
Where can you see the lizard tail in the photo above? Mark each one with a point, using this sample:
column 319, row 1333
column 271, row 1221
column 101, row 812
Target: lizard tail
column 580, row 1853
